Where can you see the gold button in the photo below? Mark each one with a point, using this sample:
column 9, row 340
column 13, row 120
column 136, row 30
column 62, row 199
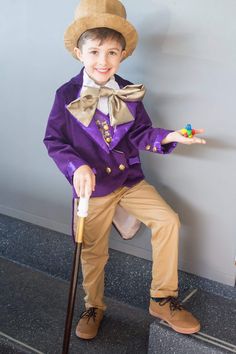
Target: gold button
column 108, row 170
column 154, row 149
column 148, row 147
column 105, row 127
column 121, row 167
column 108, row 140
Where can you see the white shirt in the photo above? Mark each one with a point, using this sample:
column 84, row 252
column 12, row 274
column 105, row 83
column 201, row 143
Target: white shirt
column 103, row 101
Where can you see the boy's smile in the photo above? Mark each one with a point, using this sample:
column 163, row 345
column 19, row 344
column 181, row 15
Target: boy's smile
column 101, row 60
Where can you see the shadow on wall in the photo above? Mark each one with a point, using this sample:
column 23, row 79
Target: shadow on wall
column 213, row 145
column 150, row 49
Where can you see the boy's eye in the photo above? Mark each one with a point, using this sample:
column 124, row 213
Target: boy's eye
column 113, row 53
column 93, row 52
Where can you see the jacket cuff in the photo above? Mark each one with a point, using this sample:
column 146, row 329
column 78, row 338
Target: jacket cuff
column 156, row 145
column 72, row 167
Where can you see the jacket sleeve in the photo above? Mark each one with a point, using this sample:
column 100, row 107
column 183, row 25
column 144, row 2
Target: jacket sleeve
column 146, row 137
column 57, row 141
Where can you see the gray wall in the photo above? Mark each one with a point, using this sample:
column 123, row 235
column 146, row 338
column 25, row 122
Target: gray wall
column 186, row 57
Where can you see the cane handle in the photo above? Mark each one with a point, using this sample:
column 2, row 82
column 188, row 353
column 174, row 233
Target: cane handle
column 83, row 207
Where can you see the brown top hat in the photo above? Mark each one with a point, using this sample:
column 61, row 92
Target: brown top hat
column 100, row 13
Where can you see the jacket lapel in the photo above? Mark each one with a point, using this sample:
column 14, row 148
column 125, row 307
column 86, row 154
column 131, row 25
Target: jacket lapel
column 93, row 131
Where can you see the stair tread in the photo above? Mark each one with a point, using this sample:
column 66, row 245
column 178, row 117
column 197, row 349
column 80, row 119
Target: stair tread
column 164, row 340
column 217, row 315
column 218, row 328
column 34, row 313
column 33, row 309
column 51, row 252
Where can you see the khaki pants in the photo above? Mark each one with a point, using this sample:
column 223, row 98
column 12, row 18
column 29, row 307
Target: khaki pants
column 143, row 201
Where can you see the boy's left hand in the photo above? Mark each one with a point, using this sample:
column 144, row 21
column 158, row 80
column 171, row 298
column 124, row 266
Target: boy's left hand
column 176, row 136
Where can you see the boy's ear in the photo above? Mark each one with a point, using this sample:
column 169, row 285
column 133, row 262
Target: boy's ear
column 123, row 54
column 78, row 53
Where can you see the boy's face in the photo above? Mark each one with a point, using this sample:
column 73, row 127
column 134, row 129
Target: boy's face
column 101, row 61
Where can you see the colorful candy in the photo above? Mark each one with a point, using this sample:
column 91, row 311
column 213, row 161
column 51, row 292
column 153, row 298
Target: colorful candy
column 187, row 131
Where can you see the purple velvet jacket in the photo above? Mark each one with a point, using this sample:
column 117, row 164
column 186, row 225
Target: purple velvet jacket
column 72, row 145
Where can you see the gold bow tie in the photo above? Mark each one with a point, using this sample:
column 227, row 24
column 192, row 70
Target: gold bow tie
column 84, row 107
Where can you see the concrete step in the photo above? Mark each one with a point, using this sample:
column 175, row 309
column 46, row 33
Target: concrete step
column 218, row 328
column 33, row 310
column 52, row 252
column 163, row 340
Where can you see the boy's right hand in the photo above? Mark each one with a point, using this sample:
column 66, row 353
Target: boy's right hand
column 84, row 181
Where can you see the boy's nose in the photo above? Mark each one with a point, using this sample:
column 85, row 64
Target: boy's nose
column 102, row 59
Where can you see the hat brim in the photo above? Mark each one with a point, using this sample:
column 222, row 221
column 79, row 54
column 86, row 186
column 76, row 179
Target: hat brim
column 119, row 24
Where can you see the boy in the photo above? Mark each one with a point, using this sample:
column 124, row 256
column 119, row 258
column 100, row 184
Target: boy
column 95, row 130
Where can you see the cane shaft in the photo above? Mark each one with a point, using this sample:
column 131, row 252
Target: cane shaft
column 80, row 230
column 73, row 284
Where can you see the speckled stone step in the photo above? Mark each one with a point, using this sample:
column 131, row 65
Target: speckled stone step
column 33, row 310
column 8, row 346
column 52, row 252
column 164, row 340
column 36, row 266
column 218, row 328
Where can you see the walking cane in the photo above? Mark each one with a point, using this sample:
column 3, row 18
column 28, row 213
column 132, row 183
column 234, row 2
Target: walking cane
column 82, row 213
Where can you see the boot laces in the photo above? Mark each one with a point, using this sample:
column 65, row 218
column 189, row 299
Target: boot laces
column 174, row 303
column 90, row 313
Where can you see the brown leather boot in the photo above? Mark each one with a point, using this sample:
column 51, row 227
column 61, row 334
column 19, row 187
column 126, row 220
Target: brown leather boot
column 89, row 323
column 170, row 310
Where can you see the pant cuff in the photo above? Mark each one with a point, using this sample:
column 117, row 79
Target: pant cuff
column 101, row 307
column 164, row 293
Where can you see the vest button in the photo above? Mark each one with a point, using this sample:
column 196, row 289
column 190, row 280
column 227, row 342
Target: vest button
column 148, row 147
column 154, row 149
column 105, row 127
column 121, row 167
column 108, row 140
column 108, row 170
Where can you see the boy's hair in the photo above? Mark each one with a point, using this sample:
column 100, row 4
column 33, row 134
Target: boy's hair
column 101, row 33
